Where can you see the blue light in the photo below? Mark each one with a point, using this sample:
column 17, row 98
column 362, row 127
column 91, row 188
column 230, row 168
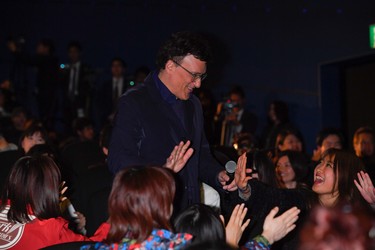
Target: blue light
column 62, row 66
column 131, row 83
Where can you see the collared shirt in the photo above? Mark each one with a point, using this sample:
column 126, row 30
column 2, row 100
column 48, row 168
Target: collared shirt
column 177, row 105
column 117, row 86
column 165, row 93
column 74, row 77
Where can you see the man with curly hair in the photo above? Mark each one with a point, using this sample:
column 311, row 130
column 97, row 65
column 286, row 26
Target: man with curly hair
column 155, row 116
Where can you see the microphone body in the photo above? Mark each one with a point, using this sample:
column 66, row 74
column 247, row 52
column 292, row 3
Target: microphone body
column 230, row 168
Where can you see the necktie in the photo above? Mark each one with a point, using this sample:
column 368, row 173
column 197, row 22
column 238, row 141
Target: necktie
column 73, row 83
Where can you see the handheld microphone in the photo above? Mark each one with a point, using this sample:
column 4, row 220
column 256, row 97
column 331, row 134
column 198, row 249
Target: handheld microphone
column 230, row 168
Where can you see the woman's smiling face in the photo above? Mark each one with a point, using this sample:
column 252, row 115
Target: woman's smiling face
column 325, row 180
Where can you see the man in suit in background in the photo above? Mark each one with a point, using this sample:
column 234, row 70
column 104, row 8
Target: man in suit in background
column 108, row 94
column 155, row 116
column 77, row 83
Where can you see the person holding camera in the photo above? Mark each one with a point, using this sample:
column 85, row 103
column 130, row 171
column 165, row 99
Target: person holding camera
column 233, row 119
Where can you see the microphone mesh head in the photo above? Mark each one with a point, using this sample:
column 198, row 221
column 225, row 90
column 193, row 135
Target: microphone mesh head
column 231, row 166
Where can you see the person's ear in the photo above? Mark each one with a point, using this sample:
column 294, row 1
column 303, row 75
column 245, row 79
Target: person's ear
column 170, row 66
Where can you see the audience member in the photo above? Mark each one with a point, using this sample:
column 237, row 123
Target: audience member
column 141, row 74
column 233, row 118
column 344, row 227
column 30, row 207
column 333, row 183
column 289, row 139
column 363, row 144
column 77, row 85
column 292, row 169
column 34, row 135
column 9, row 154
column 46, row 78
column 92, row 188
column 278, row 119
column 326, row 138
column 139, row 216
column 162, row 112
column 204, row 224
column 109, row 92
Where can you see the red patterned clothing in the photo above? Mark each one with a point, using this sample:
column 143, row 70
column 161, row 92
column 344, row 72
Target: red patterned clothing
column 159, row 239
column 37, row 233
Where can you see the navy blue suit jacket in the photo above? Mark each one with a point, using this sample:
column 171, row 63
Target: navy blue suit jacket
column 146, row 129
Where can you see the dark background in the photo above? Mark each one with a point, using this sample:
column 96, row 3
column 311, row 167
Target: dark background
column 275, row 49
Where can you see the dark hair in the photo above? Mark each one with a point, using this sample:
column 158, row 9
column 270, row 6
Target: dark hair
column 299, row 162
column 346, row 167
column 262, row 163
column 34, row 128
column 238, row 90
column 140, row 200
column 142, row 70
column 208, row 244
column 324, row 133
column 18, row 110
column 120, row 60
column 281, row 111
column 33, row 182
column 44, row 149
column 75, row 44
column 202, row 222
column 80, row 123
column 285, row 132
column 181, row 44
column 46, row 42
column 363, row 130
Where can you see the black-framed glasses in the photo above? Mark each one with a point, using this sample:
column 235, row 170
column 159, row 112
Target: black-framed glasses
column 195, row 76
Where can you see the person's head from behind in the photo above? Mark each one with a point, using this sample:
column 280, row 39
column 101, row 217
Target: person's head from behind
column 363, row 142
column 329, row 138
column 118, row 67
column 278, row 112
column 291, row 168
column 74, row 51
column 32, row 181
column 45, row 47
column 34, row 135
column 289, row 139
column 182, row 63
column 263, row 168
column 140, row 201
column 82, row 126
column 334, row 177
column 19, row 118
column 344, row 227
column 140, row 74
column 202, row 222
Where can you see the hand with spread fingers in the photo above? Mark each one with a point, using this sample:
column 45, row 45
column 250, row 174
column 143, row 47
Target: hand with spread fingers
column 240, row 176
column 366, row 187
column 180, row 154
column 275, row 228
column 236, row 226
